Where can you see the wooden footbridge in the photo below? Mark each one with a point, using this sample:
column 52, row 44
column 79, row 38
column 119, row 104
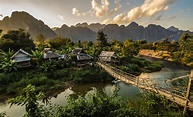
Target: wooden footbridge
column 182, row 96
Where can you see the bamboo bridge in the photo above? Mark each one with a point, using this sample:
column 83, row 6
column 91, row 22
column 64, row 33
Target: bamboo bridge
column 181, row 97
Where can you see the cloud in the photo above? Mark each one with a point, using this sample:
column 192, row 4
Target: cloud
column 100, row 8
column 78, row 13
column 119, row 6
column 61, row 17
column 75, row 12
column 147, row 9
column 117, row 1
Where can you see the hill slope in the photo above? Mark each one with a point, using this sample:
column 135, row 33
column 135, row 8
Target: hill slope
column 27, row 22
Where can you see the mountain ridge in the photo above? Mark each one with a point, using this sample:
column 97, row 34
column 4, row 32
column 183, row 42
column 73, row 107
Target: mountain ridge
column 88, row 32
column 27, row 22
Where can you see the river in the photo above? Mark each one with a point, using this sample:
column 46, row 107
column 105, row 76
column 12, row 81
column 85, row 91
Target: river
column 170, row 71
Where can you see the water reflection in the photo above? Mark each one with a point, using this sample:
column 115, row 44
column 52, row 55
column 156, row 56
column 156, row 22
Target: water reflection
column 171, row 70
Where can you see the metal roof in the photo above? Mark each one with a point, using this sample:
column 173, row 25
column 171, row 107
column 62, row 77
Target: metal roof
column 22, row 51
column 107, row 54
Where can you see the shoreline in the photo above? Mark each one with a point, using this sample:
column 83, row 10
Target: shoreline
column 156, row 54
column 152, row 54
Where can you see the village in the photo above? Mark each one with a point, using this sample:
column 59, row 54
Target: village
column 23, row 59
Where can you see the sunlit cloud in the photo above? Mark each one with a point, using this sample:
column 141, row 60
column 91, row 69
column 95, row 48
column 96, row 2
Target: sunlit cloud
column 148, row 9
column 99, row 8
column 75, row 12
column 78, row 13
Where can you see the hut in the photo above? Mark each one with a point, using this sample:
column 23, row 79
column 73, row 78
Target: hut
column 22, row 58
column 107, row 56
column 82, row 57
column 48, row 54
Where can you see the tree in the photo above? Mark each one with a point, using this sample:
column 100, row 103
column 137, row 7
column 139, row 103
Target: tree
column 6, row 56
column 7, row 64
column 1, row 31
column 59, row 42
column 185, row 45
column 16, row 39
column 130, row 48
column 30, row 100
column 48, row 66
column 102, row 39
column 37, row 57
column 40, row 39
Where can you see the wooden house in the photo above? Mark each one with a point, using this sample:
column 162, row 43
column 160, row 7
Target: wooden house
column 81, row 55
column 48, row 54
column 22, row 58
column 107, row 56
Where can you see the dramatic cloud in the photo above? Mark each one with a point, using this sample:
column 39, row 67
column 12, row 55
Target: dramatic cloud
column 61, row 17
column 100, row 8
column 147, row 9
column 78, row 13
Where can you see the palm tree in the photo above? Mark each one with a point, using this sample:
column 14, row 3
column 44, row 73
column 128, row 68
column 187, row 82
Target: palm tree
column 6, row 56
column 8, row 66
column 48, row 66
column 37, row 57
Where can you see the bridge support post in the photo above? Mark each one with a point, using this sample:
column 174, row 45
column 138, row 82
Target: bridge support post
column 188, row 91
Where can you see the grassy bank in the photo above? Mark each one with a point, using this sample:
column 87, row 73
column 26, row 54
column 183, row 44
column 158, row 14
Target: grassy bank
column 137, row 65
column 13, row 83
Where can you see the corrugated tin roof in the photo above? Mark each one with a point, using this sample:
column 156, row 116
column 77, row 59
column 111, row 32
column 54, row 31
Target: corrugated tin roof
column 84, row 56
column 50, row 54
column 77, row 51
column 22, row 51
column 46, row 49
column 107, row 54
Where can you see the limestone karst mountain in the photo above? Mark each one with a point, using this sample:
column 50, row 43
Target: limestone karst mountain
column 28, row 23
column 88, row 32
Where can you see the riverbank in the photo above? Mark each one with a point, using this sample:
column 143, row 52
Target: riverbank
column 165, row 55
column 12, row 84
column 125, row 90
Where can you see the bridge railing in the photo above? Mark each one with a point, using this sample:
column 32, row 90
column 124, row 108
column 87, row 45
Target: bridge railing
column 147, row 82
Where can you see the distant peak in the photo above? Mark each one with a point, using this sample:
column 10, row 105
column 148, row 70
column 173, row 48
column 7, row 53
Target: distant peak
column 133, row 24
column 172, row 28
column 64, row 26
column 19, row 13
column 84, row 24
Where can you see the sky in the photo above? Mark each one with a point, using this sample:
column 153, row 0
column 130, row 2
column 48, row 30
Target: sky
column 55, row 13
